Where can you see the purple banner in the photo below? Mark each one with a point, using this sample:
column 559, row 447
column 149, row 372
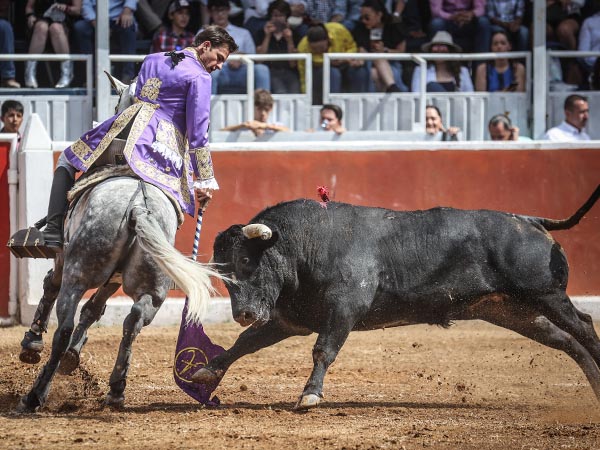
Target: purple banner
column 194, row 350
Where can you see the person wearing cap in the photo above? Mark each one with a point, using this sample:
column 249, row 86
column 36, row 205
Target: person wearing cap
column 349, row 75
column 443, row 75
column 232, row 79
column 465, row 20
column 175, row 36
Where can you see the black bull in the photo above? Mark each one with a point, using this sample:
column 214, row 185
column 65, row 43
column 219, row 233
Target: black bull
column 301, row 268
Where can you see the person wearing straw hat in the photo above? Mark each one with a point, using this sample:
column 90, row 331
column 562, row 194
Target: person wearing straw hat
column 443, row 75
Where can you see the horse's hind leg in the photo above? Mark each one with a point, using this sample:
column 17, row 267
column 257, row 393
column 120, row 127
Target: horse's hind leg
column 90, row 312
column 142, row 313
column 66, row 306
column 33, row 343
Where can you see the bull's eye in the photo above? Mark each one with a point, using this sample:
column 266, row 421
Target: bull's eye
column 245, row 260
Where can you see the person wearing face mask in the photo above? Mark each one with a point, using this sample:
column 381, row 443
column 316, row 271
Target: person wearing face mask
column 162, row 136
column 434, row 128
column 443, row 76
column 577, row 114
column 500, row 74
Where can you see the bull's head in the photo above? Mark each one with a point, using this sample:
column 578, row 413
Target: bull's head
column 126, row 92
column 245, row 255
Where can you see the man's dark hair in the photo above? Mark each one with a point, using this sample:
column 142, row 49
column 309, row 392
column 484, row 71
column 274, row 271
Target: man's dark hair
column 316, row 33
column 500, row 118
column 279, row 5
column 571, row 99
column 378, row 6
column 336, row 110
column 12, row 104
column 217, row 36
column 218, row 4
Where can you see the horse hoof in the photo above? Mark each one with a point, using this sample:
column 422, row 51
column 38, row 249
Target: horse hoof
column 308, row 401
column 114, row 401
column 69, row 362
column 205, row 376
column 29, row 356
column 24, row 408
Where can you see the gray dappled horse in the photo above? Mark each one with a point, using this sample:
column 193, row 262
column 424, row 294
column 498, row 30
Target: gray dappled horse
column 120, row 233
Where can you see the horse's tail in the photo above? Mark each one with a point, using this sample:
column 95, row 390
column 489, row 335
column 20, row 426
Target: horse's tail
column 190, row 276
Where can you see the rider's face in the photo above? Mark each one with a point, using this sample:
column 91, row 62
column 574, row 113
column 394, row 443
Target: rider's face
column 212, row 58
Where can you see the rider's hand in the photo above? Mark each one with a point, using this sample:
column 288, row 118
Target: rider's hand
column 203, row 196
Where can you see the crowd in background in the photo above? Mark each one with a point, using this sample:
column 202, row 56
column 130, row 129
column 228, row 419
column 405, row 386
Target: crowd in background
column 317, row 27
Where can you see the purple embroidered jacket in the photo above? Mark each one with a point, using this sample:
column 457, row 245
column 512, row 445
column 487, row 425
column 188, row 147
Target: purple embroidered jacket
column 168, row 141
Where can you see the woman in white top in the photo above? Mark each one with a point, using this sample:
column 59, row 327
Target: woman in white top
column 443, row 76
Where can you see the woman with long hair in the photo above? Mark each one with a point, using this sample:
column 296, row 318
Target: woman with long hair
column 501, row 74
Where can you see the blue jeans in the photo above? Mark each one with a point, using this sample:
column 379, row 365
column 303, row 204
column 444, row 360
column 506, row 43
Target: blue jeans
column 341, row 79
column 84, row 34
column 233, row 81
column 473, row 36
column 7, row 47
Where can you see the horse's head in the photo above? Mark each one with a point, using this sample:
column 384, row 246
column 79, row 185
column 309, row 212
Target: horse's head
column 126, row 92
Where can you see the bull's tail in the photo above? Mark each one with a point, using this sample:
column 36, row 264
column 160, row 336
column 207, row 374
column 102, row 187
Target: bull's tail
column 190, row 276
column 565, row 224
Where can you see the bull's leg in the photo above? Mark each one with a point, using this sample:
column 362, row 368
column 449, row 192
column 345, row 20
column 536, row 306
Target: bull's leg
column 532, row 324
column 250, row 341
column 67, row 301
column 33, row 343
column 90, row 312
column 142, row 313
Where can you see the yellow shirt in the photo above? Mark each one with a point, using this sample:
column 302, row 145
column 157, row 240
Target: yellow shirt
column 340, row 41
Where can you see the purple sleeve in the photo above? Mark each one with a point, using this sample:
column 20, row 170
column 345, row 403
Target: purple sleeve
column 437, row 11
column 479, row 7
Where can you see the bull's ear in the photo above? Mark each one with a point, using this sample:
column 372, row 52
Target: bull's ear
column 117, row 85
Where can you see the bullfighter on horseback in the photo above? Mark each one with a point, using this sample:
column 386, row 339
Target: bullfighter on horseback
column 162, row 136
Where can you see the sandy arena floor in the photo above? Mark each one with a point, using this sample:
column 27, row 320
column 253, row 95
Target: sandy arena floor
column 473, row 386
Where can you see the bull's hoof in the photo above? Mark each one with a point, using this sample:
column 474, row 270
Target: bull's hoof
column 308, row 401
column 205, row 376
column 114, row 401
column 69, row 362
column 23, row 407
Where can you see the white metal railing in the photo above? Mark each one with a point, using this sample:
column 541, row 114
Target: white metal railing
column 421, row 59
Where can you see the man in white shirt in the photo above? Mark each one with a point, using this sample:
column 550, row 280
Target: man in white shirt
column 577, row 112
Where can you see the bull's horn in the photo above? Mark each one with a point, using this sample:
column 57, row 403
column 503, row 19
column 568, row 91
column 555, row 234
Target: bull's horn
column 255, row 230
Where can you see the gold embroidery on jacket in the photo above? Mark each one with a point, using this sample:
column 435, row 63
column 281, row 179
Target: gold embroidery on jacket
column 151, row 88
column 204, row 162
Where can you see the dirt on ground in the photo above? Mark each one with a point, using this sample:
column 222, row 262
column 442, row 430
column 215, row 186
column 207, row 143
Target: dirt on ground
column 472, row 386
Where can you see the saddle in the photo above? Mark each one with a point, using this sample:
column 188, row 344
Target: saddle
column 29, row 242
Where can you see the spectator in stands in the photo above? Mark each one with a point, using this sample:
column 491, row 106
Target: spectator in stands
column 465, row 20
column 563, row 19
column 416, row 16
column 297, row 19
column 277, row 38
column 595, row 76
column 49, row 18
column 332, row 37
column 11, row 116
column 7, row 47
column 321, row 11
column 589, row 40
column 577, row 113
column 263, row 105
column 175, row 36
column 507, row 15
column 434, row 128
column 122, row 27
column 331, row 119
column 501, row 129
column 255, row 15
column 149, row 15
column 443, row 76
column 232, row 78
column 347, row 12
column 502, row 74
column 378, row 33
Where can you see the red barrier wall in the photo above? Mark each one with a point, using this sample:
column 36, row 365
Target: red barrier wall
column 549, row 183
column 4, row 228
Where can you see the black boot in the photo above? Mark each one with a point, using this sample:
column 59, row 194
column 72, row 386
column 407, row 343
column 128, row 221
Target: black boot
column 57, row 207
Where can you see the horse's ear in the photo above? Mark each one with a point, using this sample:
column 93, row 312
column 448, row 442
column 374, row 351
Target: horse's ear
column 117, row 85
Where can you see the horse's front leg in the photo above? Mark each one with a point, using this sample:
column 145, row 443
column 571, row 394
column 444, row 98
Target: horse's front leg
column 33, row 343
column 91, row 312
column 142, row 313
column 67, row 301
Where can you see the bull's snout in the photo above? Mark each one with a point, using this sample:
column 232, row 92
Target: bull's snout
column 245, row 318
